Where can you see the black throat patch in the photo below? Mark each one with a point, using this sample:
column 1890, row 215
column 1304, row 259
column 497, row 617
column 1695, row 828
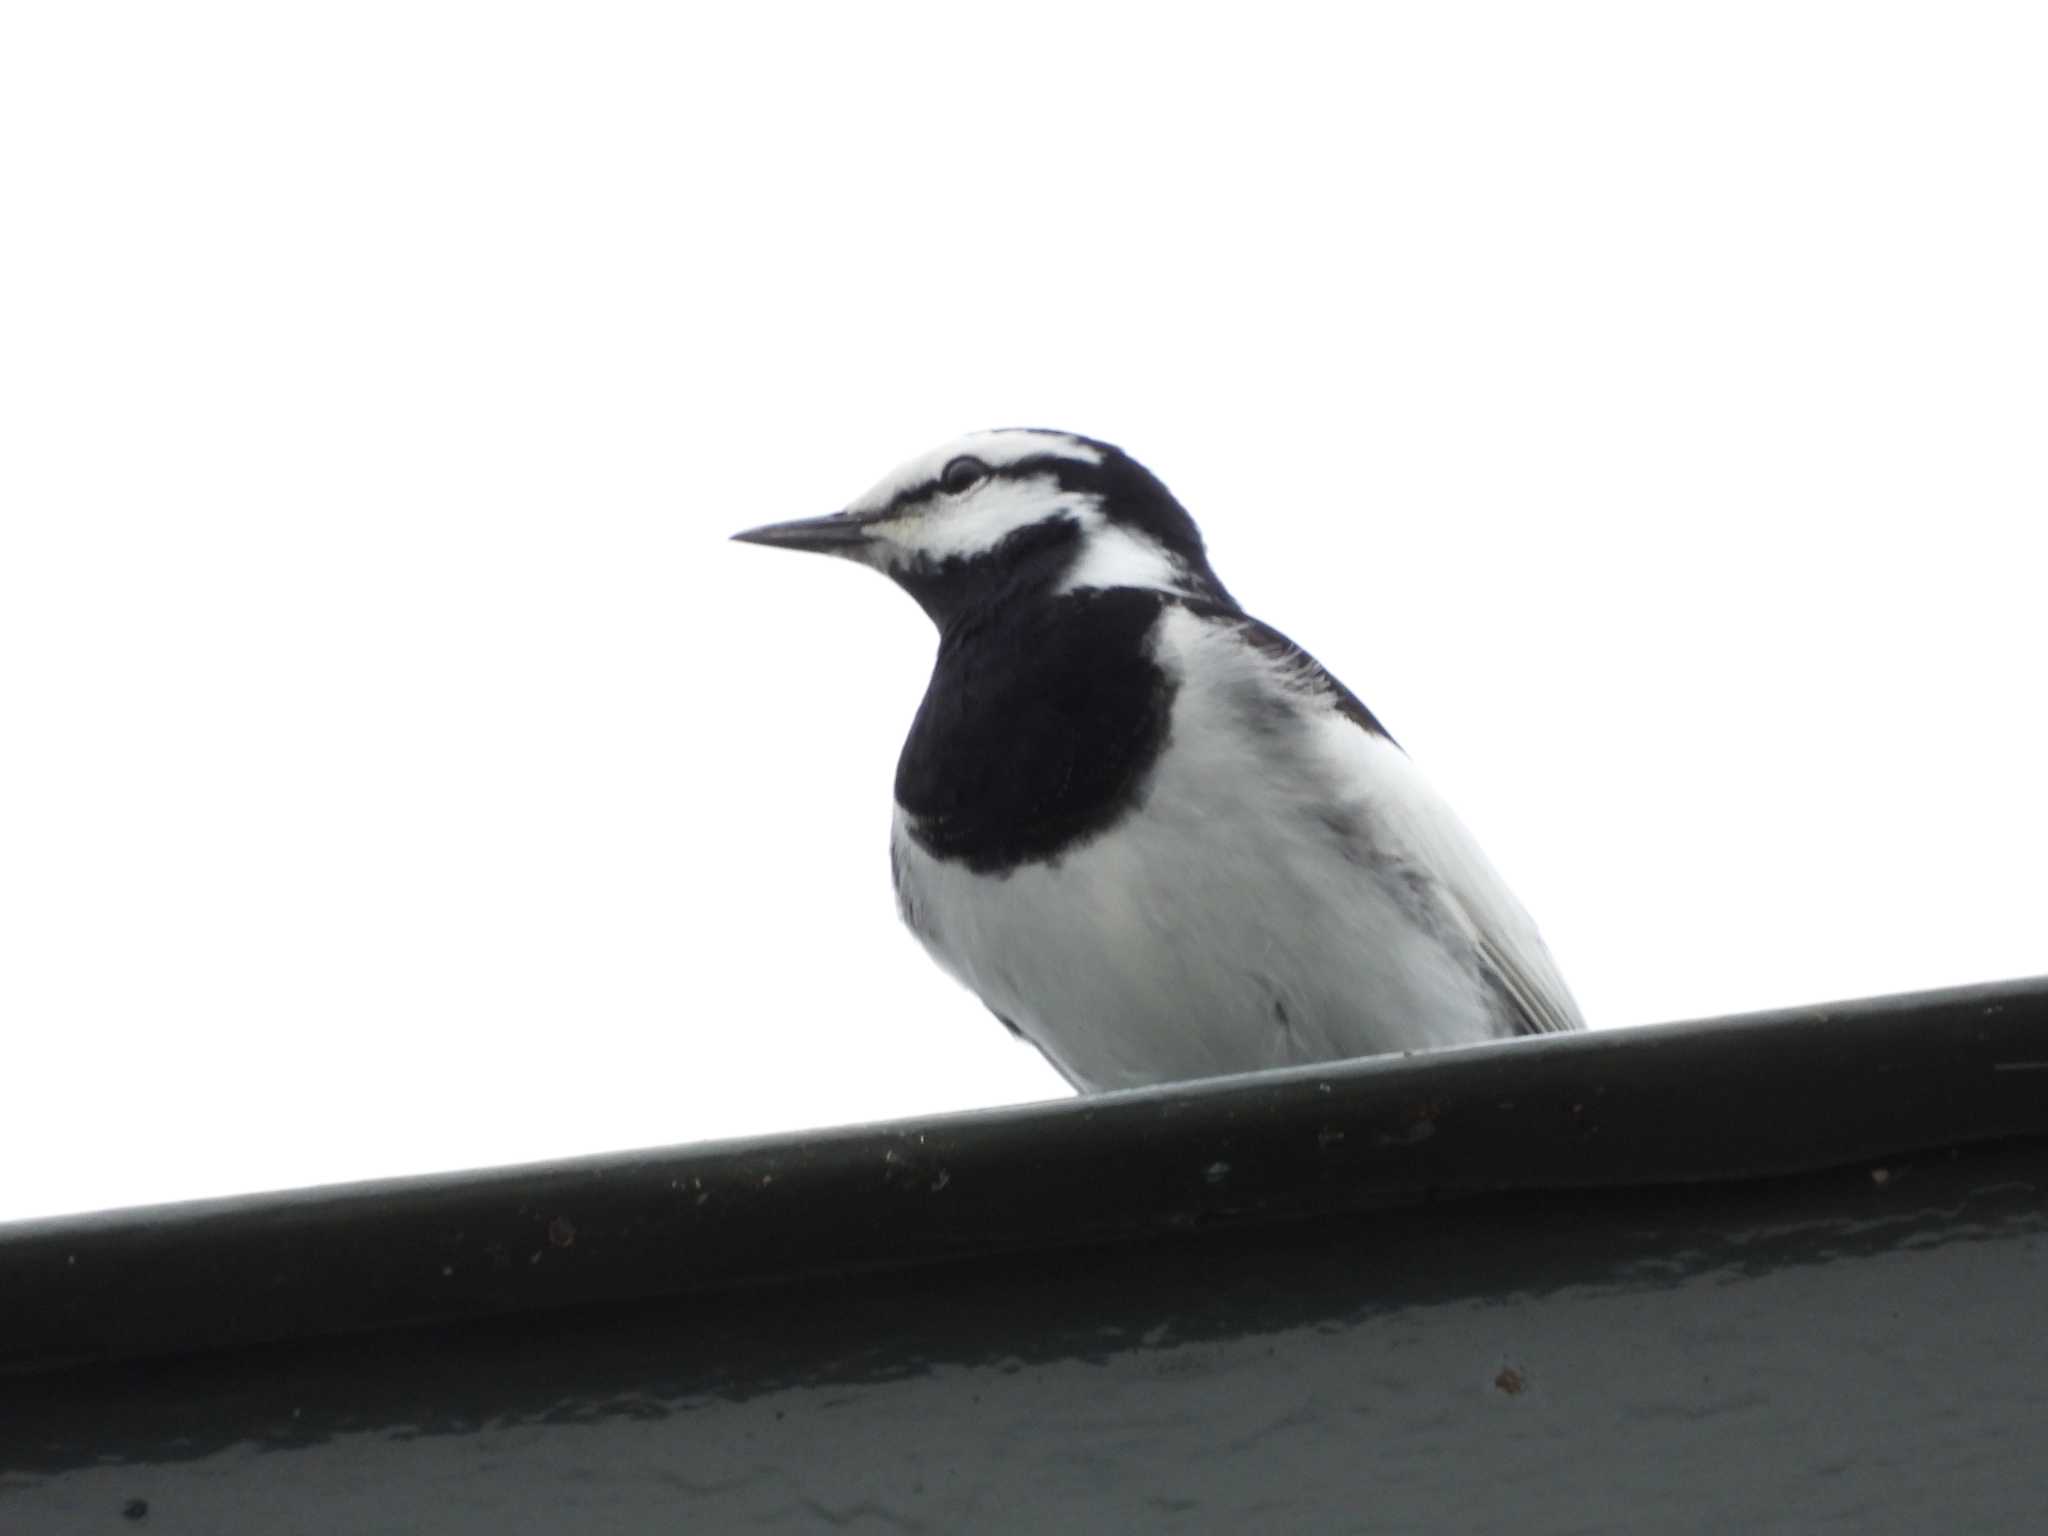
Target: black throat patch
column 1039, row 729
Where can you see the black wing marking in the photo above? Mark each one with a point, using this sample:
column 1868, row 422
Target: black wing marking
column 1304, row 667
column 1536, row 1012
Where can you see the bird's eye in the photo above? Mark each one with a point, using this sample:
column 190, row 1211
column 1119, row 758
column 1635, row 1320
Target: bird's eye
column 962, row 474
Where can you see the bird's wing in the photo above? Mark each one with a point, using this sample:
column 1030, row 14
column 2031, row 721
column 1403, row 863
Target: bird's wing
column 1529, row 977
column 1302, row 670
column 1421, row 823
column 1509, row 949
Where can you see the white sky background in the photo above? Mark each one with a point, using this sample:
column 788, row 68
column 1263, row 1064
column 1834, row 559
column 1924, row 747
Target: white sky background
column 1642, row 408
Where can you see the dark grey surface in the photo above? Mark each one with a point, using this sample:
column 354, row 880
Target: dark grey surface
column 1773, row 1275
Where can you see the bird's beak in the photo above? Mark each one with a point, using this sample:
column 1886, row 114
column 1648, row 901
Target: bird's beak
column 843, row 533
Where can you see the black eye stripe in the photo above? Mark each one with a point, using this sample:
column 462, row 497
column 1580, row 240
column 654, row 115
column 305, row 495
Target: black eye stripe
column 1037, row 466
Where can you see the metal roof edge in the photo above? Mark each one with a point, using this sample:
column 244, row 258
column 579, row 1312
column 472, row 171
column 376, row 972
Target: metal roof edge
column 1757, row 1096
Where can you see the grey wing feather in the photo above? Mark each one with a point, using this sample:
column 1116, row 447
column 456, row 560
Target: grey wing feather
column 1507, row 947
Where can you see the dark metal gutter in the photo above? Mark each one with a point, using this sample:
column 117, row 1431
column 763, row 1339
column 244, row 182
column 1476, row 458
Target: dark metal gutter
column 813, row 1262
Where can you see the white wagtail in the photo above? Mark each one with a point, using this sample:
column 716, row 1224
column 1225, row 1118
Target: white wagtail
column 1152, row 834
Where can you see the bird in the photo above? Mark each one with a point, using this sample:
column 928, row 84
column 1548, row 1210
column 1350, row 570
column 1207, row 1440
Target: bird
column 1159, row 840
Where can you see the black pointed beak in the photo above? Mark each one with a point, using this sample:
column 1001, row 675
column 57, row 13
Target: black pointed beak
column 840, row 534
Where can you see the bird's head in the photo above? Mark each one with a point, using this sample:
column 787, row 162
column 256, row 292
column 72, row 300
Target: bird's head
column 1013, row 515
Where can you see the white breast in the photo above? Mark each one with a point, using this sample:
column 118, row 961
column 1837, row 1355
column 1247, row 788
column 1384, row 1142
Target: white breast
column 1288, row 891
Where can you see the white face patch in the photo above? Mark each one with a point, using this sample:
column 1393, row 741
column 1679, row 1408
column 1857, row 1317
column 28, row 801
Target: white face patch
column 939, row 526
column 962, row 527
column 944, row 527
